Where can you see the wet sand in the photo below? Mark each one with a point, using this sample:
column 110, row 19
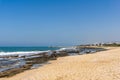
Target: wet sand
column 103, row 65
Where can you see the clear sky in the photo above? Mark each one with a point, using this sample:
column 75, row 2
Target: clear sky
column 58, row 22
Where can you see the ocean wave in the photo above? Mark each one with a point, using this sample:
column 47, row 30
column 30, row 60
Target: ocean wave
column 28, row 53
column 22, row 53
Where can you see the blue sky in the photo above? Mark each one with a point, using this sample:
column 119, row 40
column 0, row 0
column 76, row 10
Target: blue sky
column 58, row 22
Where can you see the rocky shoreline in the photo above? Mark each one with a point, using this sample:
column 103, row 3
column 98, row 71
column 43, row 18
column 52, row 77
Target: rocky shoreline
column 14, row 64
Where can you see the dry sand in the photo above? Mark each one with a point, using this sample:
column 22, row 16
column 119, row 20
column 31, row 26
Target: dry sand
column 103, row 65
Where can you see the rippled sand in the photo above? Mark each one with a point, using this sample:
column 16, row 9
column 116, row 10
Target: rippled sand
column 103, row 65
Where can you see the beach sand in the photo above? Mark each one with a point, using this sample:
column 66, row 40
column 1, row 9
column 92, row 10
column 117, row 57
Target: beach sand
column 103, row 65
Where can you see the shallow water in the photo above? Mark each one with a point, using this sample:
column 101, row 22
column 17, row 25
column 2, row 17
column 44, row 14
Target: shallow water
column 11, row 64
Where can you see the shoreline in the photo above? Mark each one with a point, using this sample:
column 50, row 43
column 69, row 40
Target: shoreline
column 102, row 65
column 38, row 58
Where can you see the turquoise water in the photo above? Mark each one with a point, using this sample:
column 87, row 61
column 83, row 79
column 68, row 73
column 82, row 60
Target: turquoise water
column 18, row 49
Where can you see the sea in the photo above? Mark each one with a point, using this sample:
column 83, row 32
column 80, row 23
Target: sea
column 7, row 64
column 26, row 49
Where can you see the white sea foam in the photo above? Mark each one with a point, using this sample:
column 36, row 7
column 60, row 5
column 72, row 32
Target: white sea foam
column 21, row 53
column 28, row 53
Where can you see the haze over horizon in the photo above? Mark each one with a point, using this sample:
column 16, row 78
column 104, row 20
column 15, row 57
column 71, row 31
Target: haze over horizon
column 58, row 22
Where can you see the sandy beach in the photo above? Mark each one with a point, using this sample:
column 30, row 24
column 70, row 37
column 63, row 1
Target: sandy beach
column 104, row 65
